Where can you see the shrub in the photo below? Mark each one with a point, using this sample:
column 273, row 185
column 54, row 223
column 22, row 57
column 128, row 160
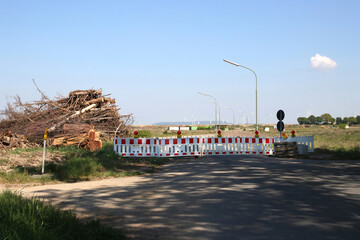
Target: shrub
column 144, row 134
column 342, row 126
column 75, row 168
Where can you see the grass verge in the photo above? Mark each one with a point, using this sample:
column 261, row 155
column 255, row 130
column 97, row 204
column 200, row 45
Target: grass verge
column 79, row 165
column 32, row 219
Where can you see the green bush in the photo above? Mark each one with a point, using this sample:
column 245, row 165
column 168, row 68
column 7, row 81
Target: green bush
column 205, row 128
column 32, row 219
column 342, row 126
column 76, row 168
column 144, row 133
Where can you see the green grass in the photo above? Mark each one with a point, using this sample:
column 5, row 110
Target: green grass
column 80, row 165
column 339, row 143
column 32, row 219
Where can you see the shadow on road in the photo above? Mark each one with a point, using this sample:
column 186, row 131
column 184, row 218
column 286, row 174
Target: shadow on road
column 239, row 197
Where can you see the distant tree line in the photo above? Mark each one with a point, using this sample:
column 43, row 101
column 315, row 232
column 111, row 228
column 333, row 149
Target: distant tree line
column 327, row 119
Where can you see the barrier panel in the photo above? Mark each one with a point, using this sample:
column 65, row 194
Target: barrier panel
column 305, row 143
column 136, row 147
column 249, row 145
column 200, row 146
column 220, row 145
column 186, row 146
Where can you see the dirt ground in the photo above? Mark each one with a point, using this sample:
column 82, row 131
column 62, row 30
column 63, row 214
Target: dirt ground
column 23, row 158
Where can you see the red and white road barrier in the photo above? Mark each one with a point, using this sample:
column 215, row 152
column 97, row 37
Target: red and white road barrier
column 202, row 146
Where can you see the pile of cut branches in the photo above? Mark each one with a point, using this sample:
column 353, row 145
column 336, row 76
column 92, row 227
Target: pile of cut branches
column 65, row 117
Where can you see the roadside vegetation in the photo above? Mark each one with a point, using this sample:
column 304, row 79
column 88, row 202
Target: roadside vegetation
column 32, row 219
column 73, row 164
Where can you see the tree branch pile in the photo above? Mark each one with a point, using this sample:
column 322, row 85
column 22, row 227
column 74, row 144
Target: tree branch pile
column 65, row 117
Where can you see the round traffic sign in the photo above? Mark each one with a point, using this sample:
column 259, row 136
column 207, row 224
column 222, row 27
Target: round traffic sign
column 280, row 115
column 280, row 126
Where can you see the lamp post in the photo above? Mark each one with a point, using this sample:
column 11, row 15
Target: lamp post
column 256, row 98
column 208, row 95
column 233, row 114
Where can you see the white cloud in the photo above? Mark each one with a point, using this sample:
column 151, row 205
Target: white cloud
column 322, row 62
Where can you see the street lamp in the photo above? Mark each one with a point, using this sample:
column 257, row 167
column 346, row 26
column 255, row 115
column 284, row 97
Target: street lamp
column 238, row 65
column 233, row 114
column 208, row 95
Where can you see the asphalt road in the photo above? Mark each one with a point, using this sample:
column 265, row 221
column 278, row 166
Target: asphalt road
column 235, row 197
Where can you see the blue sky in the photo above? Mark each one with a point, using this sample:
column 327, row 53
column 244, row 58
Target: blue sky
column 154, row 56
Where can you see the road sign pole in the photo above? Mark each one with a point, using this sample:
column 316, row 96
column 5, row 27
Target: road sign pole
column 44, row 151
column 280, row 125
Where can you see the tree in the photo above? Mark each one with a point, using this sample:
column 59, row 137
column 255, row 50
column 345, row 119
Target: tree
column 302, row 120
column 358, row 119
column 312, row 119
column 326, row 118
column 318, row 120
column 346, row 120
column 352, row 120
column 339, row 120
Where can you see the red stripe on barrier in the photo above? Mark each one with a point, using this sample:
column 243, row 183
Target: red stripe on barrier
column 246, row 140
column 224, row 152
column 139, row 154
column 148, row 154
column 260, row 140
column 216, row 140
column 155, row 154
column 273, row 141
column 155, row 141
column 230, row 140
column 168, row 154
column 217, row 153
column 240, row 140
column 147, row 141
column 203, row 140
column 115, row 141
column 254, row 152
column 223, row 140
column 198, row 140
column 183, row 141
column 231, row 152
column 123, row 141
column 167, row 141
column 192, row 153
column 209, row 140
column 210, row 153
column 131, row 141
column 267, row 140
column 199, row 153
column 191, row 141
column 124, row 154
column 184, row 153
column 160, row 155
column 174, row 141
column 131, row 154
column 253, row 140
column 261, row 152
column 267, row 152
column 247, row 152
column 139, row 141
column 176, row 154
column 204, row 153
